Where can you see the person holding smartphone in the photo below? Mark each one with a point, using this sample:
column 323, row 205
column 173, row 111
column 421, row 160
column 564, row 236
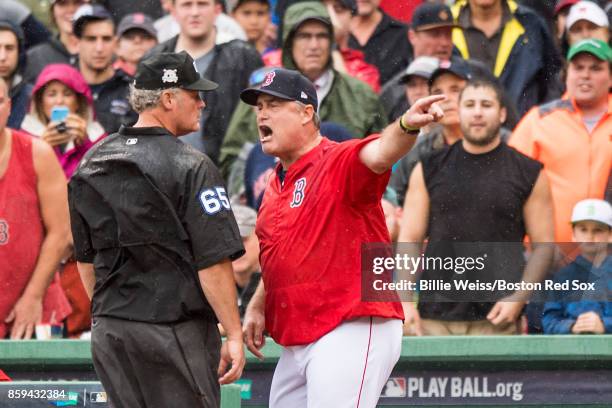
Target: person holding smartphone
column 61, row 113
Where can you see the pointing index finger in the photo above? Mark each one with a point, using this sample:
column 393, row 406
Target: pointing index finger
column 426, row 102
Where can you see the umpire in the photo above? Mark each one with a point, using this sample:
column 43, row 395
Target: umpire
column 154, row 237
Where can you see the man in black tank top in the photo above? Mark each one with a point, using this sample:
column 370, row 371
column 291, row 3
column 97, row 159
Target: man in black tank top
column 478, row 190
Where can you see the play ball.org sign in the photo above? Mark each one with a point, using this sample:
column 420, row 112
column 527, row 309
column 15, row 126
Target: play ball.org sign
column 498, row 388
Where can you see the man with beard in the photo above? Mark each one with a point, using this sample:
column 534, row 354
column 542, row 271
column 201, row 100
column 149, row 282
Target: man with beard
column 478, row 190
column 449, row 79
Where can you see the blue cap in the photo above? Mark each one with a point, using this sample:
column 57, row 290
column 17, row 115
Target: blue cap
column 456, row 66
column 285, row 84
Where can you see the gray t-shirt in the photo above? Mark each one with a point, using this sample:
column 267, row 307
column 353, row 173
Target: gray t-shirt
column 591, row 122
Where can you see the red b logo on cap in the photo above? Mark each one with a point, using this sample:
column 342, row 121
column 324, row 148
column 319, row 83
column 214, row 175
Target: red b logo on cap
column 268, row 78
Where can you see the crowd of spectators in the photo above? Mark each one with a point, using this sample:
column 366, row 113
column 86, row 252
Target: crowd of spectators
column 64, row 86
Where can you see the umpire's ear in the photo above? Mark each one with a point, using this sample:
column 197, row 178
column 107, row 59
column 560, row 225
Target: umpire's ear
column 168, row 99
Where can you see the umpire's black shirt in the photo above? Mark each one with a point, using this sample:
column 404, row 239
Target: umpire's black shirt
column 150, row 211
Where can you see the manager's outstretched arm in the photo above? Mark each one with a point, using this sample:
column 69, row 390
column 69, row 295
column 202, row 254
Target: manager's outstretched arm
column 399, row 137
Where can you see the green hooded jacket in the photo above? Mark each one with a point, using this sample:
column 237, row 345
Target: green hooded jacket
column 350, row 102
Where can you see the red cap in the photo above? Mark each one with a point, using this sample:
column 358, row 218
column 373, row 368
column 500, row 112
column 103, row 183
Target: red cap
column 561, row 4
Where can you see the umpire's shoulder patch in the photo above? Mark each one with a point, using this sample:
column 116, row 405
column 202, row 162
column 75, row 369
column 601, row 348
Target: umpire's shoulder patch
column 213, row 200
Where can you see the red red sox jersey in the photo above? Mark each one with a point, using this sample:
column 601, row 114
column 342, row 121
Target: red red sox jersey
column 310, row 229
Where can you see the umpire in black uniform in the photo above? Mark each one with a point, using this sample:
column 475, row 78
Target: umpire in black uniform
column 154, row 237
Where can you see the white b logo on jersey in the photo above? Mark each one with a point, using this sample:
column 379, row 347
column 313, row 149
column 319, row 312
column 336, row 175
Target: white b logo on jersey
column 298, row 193
column 4, row 232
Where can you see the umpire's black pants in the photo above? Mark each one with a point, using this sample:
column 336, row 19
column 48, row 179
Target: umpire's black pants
column 157, row 365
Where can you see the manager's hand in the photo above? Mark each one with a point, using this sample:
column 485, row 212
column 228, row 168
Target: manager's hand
column 424, row 111
column 253, row 330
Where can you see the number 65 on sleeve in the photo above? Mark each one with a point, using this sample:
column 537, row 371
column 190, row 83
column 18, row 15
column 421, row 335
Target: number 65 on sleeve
column 214, row 200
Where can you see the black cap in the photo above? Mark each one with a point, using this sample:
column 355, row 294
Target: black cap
column 170, row 70
column 137, row 21
column 432, row 15
column 285, row 84
column 351, row 5
column 87, row 13
column 234, row 4
column 457, row 66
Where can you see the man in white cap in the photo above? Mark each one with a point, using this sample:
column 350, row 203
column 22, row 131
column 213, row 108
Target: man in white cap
column 591, row 313
column 587, row 20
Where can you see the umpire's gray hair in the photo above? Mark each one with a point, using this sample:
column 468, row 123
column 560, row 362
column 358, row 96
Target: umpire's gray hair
column 145, row 99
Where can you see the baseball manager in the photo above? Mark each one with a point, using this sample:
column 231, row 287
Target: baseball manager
column 320, row 205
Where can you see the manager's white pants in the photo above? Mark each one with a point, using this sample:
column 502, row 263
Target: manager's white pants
column 346, row 368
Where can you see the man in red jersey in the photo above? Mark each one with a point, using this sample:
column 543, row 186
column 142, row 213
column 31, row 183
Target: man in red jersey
column 34, row 230
column 320, row 205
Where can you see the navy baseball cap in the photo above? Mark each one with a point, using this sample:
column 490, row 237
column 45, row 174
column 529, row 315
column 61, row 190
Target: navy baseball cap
column 285, row 84
column 432, row 15
column 137, row 21
column 170, row 70
column 87, row 13
column 456, row 66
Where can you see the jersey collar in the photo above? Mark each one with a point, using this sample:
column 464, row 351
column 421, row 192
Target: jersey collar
column 303, row 162
column 143, row 131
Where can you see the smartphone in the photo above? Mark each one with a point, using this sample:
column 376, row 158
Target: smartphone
column 59, row 113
